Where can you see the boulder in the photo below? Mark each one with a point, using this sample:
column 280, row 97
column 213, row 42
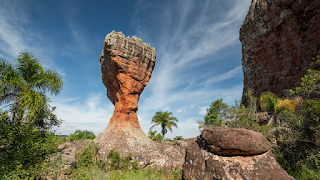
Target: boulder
column 203, row 164
column 279, row 40
column 233, row 141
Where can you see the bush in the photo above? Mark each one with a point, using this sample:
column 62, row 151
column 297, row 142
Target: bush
column 285, row 105
column 22, row 147
column 116, row 162
column 268, row 100
column 81, row 135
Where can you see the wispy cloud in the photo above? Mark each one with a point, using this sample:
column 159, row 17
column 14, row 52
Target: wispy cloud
column 93, row 113
column 192, row 37
column 17, row 34
column 236, row 72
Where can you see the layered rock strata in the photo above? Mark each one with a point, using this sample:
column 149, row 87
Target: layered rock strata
column 231, row 153
column 279, row 40
column 126, row 65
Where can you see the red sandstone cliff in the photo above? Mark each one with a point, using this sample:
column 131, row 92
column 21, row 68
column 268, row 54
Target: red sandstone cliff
column 279, row 39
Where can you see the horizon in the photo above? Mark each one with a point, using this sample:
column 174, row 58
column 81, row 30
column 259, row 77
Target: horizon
column 197, row 47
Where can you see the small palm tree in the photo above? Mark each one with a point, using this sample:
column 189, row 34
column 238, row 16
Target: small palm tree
column 23, row 87
column 165, row 119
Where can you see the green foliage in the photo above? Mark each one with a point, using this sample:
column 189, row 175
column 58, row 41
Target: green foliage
column 165, row 120
column 147, row 173
column 154, row 136
column 216, row 114
column 268, row 101
column 178, row 138
column 116, row 162
column 310, row 83
column 88, row 156
column 81, row 135
column 23, row 88
column 21, row 147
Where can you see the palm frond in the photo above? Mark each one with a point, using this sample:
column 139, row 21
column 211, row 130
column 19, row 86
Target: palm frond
column 28, row 65
column 48, row 80
column 155, row 124
column 32, row 102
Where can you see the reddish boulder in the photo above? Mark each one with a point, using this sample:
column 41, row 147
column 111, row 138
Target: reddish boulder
column 201, row 164
column 279, row 40
column 126, row 65
column 233, row 141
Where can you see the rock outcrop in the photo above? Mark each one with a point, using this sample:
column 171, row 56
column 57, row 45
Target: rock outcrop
column 239, row 156
column 279, row 39
column 126, row 65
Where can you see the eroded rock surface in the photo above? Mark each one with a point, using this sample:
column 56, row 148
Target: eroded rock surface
column 203, row 164
column 279, row 39
column 233, row 141
column 126, row 65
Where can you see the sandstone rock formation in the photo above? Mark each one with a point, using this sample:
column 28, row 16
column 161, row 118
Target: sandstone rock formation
column 237, row 157
column 126, row 65
column 279, row 39
column 234, row 141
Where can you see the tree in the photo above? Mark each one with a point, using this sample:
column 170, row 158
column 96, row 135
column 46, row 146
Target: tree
column 165, row 119
column 81, row 135
column 310, row 83
column 216, row 114
column 23, row 88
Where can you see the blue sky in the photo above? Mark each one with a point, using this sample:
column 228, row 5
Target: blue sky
column 197, row 44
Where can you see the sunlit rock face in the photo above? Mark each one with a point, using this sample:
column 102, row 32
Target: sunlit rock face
column 279, row 39
column 231, row 153
column 126, row 65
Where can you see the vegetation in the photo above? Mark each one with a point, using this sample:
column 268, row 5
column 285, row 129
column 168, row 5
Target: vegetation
column 154, row 136
column 25, row 137
column 23, row 88
column 216, row 114
column 165, row 120
column 268, row 101
column 81, row 135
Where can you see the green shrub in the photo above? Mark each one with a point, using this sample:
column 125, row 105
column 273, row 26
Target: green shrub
column 268, row 100
column 81, row 135
column 154, row 136
column 88, row 155
column 22, row 147
column 116, row 162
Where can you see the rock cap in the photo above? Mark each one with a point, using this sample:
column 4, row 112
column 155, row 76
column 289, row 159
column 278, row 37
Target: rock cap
column 233, row 141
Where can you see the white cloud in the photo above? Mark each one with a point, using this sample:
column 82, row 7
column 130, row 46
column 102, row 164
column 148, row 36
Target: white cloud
column 236, row 72
column 16, row 34
column 179, row 111
column 70, row 125
column 92, row 114
column 203, row 110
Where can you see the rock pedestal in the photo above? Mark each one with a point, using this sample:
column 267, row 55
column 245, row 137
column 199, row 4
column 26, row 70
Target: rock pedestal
column 126, row 65
column 231, row 153
column 279, row 40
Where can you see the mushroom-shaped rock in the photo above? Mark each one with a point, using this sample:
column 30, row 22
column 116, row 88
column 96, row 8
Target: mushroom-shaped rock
column 234, row 141
column 126, row 66
column 234, row 162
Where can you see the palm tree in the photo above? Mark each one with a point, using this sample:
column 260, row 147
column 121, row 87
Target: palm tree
column 165, row 119
column 23, row 88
